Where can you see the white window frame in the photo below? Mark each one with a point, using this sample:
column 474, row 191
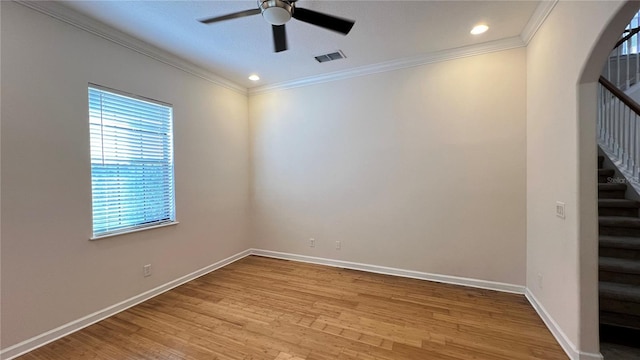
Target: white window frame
column 134, row 135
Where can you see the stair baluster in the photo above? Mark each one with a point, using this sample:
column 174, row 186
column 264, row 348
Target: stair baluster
column 618, row 130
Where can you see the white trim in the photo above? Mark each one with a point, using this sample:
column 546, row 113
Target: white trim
column 569, row 347
column 476, row 283
column 73, row 326
column 590, row 356
column 132, row 230
column 537, row 19
column 71, row 17
column 434, row 57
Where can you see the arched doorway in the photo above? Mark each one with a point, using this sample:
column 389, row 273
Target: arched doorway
column 587, row 183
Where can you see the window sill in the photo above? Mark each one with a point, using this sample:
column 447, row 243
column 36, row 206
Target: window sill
column 99, row 237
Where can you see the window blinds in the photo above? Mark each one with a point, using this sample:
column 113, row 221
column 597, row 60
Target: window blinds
column 131, row 162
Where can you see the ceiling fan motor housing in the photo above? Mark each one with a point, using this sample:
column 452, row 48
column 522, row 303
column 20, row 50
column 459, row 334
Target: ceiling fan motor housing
column 276, row 12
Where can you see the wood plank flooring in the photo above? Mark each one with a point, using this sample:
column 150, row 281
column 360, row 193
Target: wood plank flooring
column 267, row 309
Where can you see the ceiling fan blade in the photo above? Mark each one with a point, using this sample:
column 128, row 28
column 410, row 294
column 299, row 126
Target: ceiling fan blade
column 235, row 15
column 340, row 25
column 279, row 38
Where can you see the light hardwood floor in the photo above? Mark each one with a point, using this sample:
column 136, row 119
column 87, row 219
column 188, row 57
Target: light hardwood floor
column 267, row 309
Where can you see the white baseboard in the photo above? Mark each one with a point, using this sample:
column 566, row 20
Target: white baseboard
column 590, row 356
column 482, row 284
column 66, row 329
column 52, row 335
column 566, row 344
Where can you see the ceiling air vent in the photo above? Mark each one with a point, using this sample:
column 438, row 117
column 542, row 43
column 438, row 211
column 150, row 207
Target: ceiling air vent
column 330, row 57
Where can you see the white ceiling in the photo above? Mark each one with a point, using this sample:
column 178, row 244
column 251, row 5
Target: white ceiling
column 384, row 31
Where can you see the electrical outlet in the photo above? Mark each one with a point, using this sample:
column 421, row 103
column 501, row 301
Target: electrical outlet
column 560, row 209
column 338, row 245
column 312, row 242
column 146, row 270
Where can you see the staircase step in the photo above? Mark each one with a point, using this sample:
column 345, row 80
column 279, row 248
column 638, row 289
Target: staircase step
column 604, row 175
column 619, row 265
column 619, row 298
column 618, row 207
column 619, row 247
column 612, row 186
column 619, row 277
column 622, row 320
column 619, row 291
column 619, row 225
column 611, row 190
column 626, row 337
column 620, row 242
column 620, row 221
column 621, row 203
column 621, row 271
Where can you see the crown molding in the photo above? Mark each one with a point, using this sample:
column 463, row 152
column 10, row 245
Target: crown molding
column 423, row 59
column 86, row 23
column 541, row 13
column 537, row 19
column 71, row 17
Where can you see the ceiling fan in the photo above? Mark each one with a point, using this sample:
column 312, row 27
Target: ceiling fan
column 278, row 12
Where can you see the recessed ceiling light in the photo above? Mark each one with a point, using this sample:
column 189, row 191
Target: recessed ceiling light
column 254, row 77
column 479, row 29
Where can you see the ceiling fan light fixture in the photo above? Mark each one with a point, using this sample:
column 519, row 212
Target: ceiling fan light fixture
column 479, row 29
column 276, row 12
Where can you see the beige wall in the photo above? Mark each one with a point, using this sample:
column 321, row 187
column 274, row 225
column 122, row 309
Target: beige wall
column 51, row 273
column 424, row 168
column 564, row 252
column 420, row 169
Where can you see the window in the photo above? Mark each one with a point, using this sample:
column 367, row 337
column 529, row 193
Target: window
column 131, row 162
column 631, row 46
